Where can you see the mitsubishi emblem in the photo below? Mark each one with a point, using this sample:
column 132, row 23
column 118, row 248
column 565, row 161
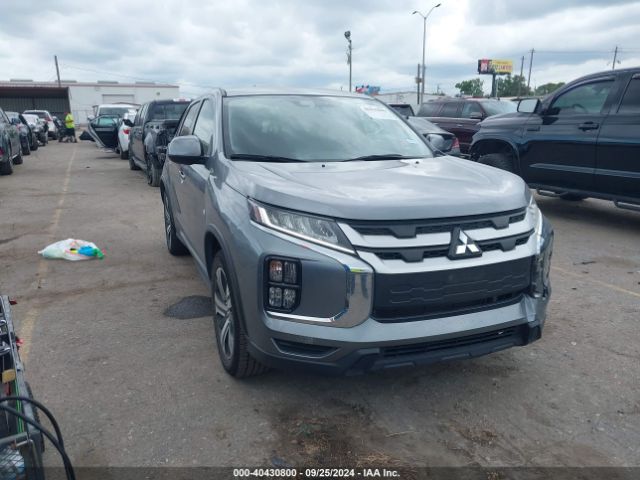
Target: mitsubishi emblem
column 462, row 246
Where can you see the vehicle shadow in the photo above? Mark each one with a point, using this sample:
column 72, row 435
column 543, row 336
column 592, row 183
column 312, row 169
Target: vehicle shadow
column 592, row 212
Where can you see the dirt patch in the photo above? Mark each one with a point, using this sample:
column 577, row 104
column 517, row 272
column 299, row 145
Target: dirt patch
column 344, row 438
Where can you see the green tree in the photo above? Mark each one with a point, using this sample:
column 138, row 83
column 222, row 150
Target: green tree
column 508, row 86
column 471, row 87
column 547, row 88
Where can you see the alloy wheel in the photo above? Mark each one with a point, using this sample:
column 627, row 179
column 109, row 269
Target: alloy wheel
column 224, row 314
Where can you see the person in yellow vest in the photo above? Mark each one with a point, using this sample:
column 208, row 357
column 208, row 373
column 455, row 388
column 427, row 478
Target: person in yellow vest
column 71, row 127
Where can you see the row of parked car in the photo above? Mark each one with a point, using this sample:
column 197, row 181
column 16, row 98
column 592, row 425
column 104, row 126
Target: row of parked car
column 22, row 133
column 581, row 141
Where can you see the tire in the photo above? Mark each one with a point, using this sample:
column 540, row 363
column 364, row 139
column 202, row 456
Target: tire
column 123, row 154
column 34, row 147
column 174, row 244
column 231, row 341
column 132, row 164
column 18, row 160
column 26, row 149
column 153, row 173
column 6, row 168
column 573, row 197
column 497, row 160
column 55, row 135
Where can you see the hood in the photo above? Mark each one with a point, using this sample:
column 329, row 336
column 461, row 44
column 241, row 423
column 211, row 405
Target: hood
column 505, row 119
column 380, row 190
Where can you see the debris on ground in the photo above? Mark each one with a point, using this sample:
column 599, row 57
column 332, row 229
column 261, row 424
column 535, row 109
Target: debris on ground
column 72, row 249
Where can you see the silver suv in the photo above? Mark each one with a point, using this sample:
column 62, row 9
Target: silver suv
column 333, row 239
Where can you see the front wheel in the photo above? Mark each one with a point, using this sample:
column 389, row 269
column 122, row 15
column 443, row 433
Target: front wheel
column 18, row 160
column 174, row 244
column 26, row 150
column 6, row 168
column 231, row 340
column 497, row 160
column 34, row 146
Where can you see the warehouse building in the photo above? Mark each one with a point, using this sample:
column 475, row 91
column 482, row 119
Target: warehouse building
column 78, row 97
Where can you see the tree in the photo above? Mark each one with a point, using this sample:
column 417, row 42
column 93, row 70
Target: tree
column 547, row 88
column 471, row 87
column 509, row 86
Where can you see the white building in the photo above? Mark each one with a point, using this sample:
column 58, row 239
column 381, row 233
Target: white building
column 79, row 97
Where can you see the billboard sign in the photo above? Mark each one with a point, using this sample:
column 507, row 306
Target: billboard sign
column 499, row 67
column 368, row 89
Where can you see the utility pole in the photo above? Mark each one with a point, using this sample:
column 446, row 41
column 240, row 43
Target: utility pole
column 347, row 35
column 615, row 57
column 55, row 57
column 418, row 80
column 521, row 76
column 424, row 43
column 530, row 67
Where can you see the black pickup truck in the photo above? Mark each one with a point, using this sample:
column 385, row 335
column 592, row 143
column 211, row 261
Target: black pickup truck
column 580, row 141
column 151, row 131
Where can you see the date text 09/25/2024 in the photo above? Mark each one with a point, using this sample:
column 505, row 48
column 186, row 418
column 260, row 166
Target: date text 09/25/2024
column 315, row 473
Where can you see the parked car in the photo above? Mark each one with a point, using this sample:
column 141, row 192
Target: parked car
column 462, row 116
column 52, row 130
column 403, row 109
column 580, row 141
column 441, row 140
column 28, row 139
column 333, row 239
column 151, row 131
column 113, row 109
column 123, row 135
column 38, row 126
column 10, row 148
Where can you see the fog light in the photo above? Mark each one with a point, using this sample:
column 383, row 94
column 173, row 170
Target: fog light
column 289, row 298
column 275, row 270
column 290, row 273
column 275, row 297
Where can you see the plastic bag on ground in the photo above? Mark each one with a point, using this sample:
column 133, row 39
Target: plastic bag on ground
column 72, row 249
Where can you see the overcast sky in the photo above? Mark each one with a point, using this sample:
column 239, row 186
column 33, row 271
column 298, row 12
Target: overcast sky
column 197, row 43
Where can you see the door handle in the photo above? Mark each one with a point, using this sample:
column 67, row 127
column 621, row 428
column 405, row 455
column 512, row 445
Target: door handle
column 182, row 175
column 588, row 126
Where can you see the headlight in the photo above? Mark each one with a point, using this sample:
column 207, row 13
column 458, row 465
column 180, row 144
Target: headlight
column 536, row 216
column 540, row 283
column 318, row 230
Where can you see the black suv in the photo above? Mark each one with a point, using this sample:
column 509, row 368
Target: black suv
column 580, row 141
column 462, row 116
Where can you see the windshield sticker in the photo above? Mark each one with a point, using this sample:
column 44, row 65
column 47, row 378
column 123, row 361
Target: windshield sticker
column 411, row 140
column 374, row 111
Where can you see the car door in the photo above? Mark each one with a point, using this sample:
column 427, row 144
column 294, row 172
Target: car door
column 135, row 135
column 177, row 178
column 104, row 130
column 559, row 145
column 618, row 152
column 467, row 124
column 196, row 180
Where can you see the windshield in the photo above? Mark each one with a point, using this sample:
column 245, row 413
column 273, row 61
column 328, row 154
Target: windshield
column 406, row 110
column 118, row 111
column 168, row 111
column 30, row 118
column 39, row 113
column 316, row 128
column 497, row 107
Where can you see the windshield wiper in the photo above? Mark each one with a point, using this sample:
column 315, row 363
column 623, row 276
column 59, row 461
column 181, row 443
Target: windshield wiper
column 386, row 156
column 263, row 158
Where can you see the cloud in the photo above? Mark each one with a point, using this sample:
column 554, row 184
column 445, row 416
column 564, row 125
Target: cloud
column 288, row 42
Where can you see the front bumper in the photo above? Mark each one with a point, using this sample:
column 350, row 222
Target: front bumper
column 333, row 330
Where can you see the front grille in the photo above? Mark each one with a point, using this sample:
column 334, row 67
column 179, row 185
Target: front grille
column 503, row 337
column 422, row 295
column 409, row 228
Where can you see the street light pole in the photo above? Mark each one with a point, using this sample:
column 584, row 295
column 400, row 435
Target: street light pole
column 347, row 35
column 424, row 44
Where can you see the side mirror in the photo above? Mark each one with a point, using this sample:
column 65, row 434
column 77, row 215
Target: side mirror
column 528, row 105
column 127, row 122
column 186, row 150
column 436, row 141
column 476, row 116
column 91, row 117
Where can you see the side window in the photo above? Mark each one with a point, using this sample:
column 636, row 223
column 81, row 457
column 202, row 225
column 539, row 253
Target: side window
column 189, row 120
column 429, row 109
column 205, row 126
column 471, row 108
column 141, row 114
column 587, row 98
column 449, row 110
column 631, row 100
column 105, row 121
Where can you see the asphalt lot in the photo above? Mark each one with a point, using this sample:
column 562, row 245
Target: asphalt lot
column 132, row 386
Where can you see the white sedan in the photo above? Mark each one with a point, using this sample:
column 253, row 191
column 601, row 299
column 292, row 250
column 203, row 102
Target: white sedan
column 123, row 135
